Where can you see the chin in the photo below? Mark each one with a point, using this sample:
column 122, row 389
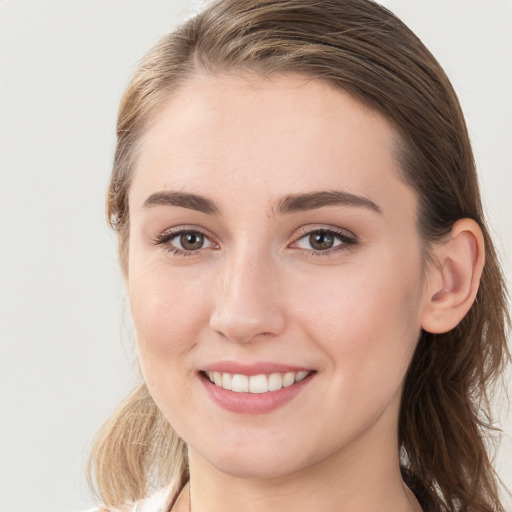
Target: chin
column 257, row 470
column 258, row 462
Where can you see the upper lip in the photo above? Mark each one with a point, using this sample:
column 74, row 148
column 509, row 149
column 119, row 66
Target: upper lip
column 237, row 368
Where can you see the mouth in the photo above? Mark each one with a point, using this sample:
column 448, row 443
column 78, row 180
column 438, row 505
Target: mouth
column 256, row 384
column 254, row 390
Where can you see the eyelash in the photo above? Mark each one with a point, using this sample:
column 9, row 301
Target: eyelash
column 348, row 241
column 164, row 238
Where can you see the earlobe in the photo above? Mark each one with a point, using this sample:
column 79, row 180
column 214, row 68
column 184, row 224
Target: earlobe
column 454, row 278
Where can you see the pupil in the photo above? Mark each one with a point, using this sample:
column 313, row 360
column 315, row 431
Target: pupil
column 321, row 240
column 191, row 241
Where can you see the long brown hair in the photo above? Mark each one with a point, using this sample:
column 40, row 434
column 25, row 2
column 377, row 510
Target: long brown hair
column 363, row 49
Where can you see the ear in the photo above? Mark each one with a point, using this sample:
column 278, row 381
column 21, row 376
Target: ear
column 454, row 277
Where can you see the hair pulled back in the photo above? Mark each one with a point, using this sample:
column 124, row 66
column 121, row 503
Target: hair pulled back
column 362, row 49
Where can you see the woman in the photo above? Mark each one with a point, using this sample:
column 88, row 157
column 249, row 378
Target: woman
column 318, row 305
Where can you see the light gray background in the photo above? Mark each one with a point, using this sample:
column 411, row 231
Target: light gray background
column 66, row 353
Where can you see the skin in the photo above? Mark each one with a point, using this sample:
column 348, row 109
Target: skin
column 256, row 291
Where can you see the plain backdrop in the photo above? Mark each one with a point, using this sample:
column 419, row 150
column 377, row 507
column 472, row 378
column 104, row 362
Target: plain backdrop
column 67, row 356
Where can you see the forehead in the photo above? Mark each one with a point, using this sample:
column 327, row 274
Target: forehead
column 276, row 136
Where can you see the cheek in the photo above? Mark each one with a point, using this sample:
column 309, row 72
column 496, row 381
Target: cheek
column 168, row 310
column 168, row 314
column 367, row 318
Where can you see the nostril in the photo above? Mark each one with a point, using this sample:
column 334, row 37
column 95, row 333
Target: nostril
column 244, row 328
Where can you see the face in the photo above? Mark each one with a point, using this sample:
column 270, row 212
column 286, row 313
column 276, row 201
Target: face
column 274, row 251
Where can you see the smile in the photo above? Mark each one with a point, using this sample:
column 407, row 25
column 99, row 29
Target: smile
column 262, row 383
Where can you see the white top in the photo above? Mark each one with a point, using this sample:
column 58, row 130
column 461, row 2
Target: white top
column 156, row 503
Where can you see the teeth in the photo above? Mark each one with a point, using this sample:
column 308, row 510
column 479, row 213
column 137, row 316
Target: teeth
column 255, row 383
column 288, row 380
column 240, row 383
column 300, row 376
column 227, row 381
column 275, row 382
column 258, row 384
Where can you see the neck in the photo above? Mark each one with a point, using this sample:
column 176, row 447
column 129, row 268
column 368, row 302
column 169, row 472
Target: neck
column 344, row 482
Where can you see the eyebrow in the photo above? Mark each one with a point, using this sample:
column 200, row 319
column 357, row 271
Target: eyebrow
column 314, row 200
column 288, row 204
column 183, row 199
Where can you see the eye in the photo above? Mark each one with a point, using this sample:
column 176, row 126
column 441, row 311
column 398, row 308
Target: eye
column 319, row 241
column 189, row 240
column 324, row 241
column 184, row 241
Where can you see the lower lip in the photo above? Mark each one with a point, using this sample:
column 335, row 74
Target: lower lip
column 253, row 403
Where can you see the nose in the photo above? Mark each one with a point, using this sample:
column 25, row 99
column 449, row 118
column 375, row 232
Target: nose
column 248, row 307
